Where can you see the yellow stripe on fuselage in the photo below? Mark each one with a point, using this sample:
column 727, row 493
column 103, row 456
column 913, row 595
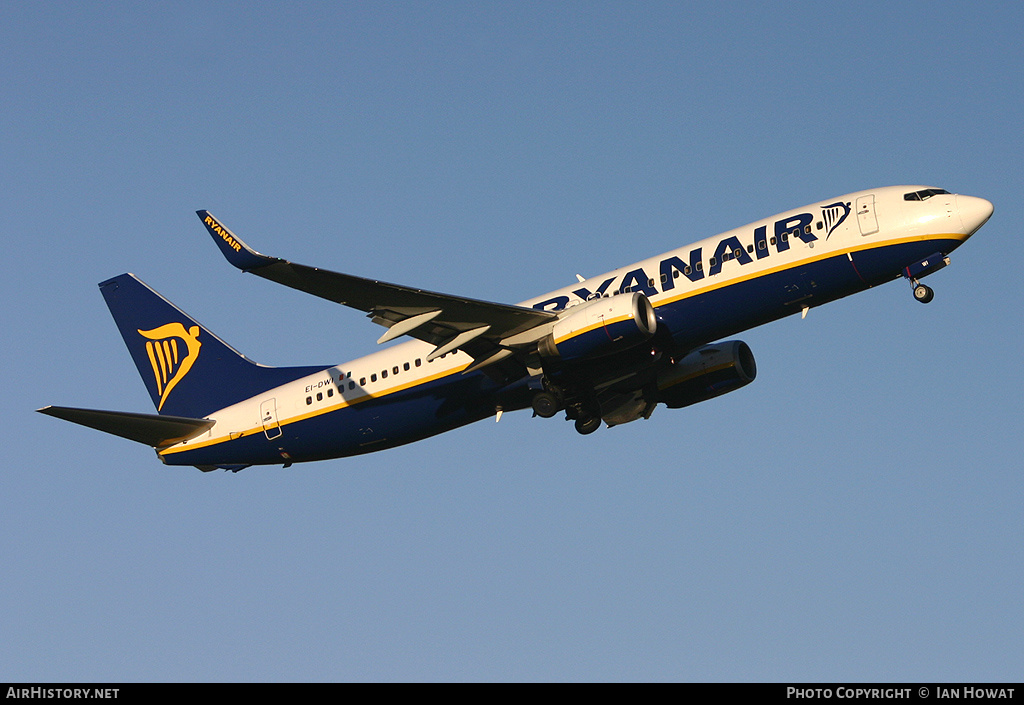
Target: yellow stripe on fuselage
column 253, row 430
column 724, row 282
column 800, row 262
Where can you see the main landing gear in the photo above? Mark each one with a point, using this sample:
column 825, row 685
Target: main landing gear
column 546, row 404
column 587, row 424
column 923, row 293
column 587, row 416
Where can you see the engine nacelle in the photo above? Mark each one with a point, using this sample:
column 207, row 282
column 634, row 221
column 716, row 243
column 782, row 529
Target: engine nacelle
column 600, row 327
column 706, row 373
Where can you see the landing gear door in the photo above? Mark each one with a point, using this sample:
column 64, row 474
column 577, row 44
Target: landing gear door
column 268, row 415
column 866, row 218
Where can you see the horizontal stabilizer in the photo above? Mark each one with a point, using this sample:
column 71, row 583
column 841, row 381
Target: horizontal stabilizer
column 151, row 429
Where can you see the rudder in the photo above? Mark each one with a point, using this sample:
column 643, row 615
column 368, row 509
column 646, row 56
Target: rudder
column 187, row 370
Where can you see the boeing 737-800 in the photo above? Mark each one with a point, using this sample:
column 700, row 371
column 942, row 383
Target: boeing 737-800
column 606, row 349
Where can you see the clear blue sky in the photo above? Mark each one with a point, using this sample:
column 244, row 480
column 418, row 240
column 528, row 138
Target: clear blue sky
column 855, row 514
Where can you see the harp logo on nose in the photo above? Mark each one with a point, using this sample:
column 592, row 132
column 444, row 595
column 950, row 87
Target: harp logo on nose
column 172, row 351
column 834, row 214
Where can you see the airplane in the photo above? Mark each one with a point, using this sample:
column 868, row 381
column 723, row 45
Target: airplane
column 608, row 348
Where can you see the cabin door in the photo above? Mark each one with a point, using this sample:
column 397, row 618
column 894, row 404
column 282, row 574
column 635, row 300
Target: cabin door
column 268, row 415
column 866, row 218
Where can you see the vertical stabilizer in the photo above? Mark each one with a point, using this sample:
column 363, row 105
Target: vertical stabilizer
column 188, row 370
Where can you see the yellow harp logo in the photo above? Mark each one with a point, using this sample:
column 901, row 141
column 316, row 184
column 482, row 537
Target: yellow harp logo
column 170, row 362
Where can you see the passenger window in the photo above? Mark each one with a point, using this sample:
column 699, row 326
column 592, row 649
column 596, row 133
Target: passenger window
column 383, row 374
column 373, row 377
column 417, row 362
column 664, row 278
column 309, row 400
column 675, row 272
column 773, row 239
column 700, row 266
column 394, row 370
column 750, row 248
column 762, row 245
column 330, row 391
column 351, row 385
column 319, row 396
column 362, row 382
column 406, row 367
column 712, row 262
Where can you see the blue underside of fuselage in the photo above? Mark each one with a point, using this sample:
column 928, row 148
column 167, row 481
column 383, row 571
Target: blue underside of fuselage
column 366, row 426
column 456, row 400
column 729, row 310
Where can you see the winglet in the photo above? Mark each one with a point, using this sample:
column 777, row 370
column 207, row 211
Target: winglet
column 237, row 252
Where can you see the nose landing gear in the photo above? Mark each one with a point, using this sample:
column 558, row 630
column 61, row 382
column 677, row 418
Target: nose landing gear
column 922, row 292
column 923, row 268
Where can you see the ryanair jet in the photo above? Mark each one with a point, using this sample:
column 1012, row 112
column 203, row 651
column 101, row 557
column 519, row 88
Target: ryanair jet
column 606, row 349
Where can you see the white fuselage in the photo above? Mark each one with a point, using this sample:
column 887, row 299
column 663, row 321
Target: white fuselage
column 784, row 264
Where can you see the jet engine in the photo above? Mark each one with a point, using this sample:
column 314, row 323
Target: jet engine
column 600, row 327
column 706, row 373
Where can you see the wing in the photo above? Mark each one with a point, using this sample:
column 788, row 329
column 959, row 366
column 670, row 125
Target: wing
column 489, row 332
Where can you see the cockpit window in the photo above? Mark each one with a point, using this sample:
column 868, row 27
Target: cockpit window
column 924, row 195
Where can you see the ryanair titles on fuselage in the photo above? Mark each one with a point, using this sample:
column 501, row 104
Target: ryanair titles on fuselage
column 224, row 234
column 696, row 268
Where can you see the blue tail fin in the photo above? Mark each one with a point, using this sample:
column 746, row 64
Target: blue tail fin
column 187, row 369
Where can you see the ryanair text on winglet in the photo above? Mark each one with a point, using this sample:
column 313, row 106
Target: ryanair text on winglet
column 223, row 232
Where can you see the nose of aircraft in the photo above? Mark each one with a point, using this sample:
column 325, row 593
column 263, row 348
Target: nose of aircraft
column 974, row 212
